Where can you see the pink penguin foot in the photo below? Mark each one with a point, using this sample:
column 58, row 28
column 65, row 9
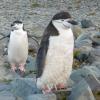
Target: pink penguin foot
column 13, row 67
column 21, row 68
column 60, row 86
column 46, row 90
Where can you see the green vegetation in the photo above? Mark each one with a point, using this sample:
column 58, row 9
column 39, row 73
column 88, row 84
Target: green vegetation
column 35, row 4
column 7, row 81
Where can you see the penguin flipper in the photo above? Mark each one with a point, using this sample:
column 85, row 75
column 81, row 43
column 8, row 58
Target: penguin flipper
column 41, row 56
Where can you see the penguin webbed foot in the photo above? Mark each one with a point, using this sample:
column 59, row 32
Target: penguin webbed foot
column 57, row 87
column 21, row 67
column 13, row 67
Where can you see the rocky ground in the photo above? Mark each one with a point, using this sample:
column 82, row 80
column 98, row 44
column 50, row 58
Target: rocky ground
column 36, row 14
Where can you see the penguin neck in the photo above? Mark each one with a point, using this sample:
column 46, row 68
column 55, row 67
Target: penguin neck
column 17, row 29
column 64, row 33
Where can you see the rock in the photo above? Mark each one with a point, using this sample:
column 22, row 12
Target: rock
column 86, row 23
column 76, row 30
column 83, row 40
column 81, row 91
column 83, row 44
column 33, row 45
column 97, row 64
column 6, row 95
column 96, row 38
column 31, row 64
column 95, row 55
column 78, row 75
column 4, row 86
column 42, row 97
column 94, row 83
column 82, row 56
column 6, row 73
column 30, row 67
column 91, row 70
column 24, row 87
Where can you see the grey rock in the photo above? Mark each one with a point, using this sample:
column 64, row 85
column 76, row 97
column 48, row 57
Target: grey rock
column 4, row 86
column 95, row 55
column 33, row 44
column 81, row 91
column 78, row 75
column 83, row 56
column 83, row 36
column 93, row 82
column 83, row 40
column 96, row 38
column 31, row 64
column 97, row 64
column 77, row 30
column 86, row 23
column 6, row 95
column 81, row 43
column 24, row 87
column 42, row 97
column 91, row 70
column 84, row 44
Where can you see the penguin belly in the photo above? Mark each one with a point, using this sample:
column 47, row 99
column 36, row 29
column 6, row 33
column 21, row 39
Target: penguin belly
column 18, row 49
column 58, row 64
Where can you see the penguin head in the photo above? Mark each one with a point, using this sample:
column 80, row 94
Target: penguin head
column 63, row 20
column 17, row 25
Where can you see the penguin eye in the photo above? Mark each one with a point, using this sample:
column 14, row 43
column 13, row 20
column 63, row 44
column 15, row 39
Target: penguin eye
column 62, row 19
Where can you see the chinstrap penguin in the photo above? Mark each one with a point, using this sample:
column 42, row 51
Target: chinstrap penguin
column 55, row 55
column 18, row 46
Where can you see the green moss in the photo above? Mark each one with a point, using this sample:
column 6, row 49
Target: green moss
column 7, row 81
column 97, row 95
column 28, row 73
column 76, row 53
column 35, row 5
column 7, row 65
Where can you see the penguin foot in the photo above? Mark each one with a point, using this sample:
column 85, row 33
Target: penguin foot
column 13, row 67
column 46, row 90
column 21, row 68
column 59, row 86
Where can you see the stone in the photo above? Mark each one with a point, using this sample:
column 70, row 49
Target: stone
column 81, row 91
column 83, row 40
column 31, row 64
column 33, row 44
column 23, row 87
column 95, row 55
column 42, row 97
column 86, row 23
column 96, row 38
column 77, row 30
column 4, row 86
column 78, row 75
column 82, row 56
column 6, row 95
column 97, row 64
column 93, row 82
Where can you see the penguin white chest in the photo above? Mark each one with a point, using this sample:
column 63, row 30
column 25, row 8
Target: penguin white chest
column 18, row 47
column 59, row 59
column 60, row 50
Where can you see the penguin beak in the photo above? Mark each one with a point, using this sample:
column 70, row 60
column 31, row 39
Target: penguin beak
column 72, row 22
column 12, row 24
